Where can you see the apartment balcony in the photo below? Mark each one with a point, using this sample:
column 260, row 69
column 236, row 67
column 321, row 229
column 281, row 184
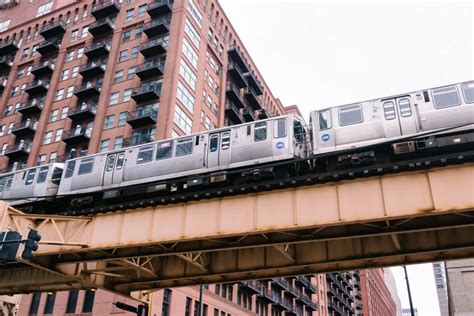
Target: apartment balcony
column 252, row 98
column 92, row 69
column 105, row 8
column 157, row 27
column 159, row 7
column 37, row 86
column 280, row 283
column 357, row 285
column 49, row 46
column 254, row 84
column 18, row 150
column 142, row 117
column 146, row 93
column 32, row 106
column 358, row 296
column 311, row 288
column 359, row 307
column 236, row 55
column 101, row 27
column 237, row 75
column 88, row 89
column 86, row 110
column 3, row 84
column 262, row 114
column 154, row 47
column 6, row 63
column 97, row 49
column 77, row 135
column 43, row 68
column 150, row 69
column 267, row 296
column 25, row 128
column 250, row 287
column 249, row 115
column 292, row 311
column 8, row 47
column 137, row 140
column 312, row 305
column 53, row 29
column 233, row 113
column 356, row 276
column 233, row 94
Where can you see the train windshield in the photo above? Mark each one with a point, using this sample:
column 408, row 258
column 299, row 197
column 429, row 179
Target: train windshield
column 299, row 131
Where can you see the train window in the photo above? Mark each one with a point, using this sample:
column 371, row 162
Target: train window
column 446, row 97
column 260, row 132
column 468, row 91
column 389, row 110
column 351, row 114
column 213, row 143
column 42, row 174
column 109, row 166
column 30, row 176
column 299, row 132
column 324, row 118
column 279, row 128
column 3, row 181
column 86, row 166
column 225, row 142
column 120, row 161
column 56, row 177
column 9, row 183
column 184, row 147
column 70, row 169
column 145, row 154
column 164, row 151
column 405, row 107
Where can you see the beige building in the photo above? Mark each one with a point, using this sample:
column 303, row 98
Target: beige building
column 460, row 280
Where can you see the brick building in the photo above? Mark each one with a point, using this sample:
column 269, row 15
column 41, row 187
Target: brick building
column 376, row 298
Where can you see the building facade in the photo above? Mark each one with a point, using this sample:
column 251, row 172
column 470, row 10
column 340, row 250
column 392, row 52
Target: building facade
column 460, row 280
column 439, row 271
column 81, row 77
column 376, row 297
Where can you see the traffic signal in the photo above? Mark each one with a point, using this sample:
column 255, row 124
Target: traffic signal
column 9, row 243
column 31, row 245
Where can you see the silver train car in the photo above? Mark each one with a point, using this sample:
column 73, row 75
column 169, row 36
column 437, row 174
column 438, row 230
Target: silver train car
column 383, row 120
column 28, row 185
column 265, row 141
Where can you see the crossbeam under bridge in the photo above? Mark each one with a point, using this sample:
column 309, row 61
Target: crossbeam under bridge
column 384, row 220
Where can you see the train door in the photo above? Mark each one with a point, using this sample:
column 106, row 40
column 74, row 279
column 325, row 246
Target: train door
column 113, row 171
column 219, row 149
column 399, row 117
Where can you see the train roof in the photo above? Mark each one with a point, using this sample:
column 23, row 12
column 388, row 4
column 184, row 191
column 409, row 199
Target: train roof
column 29, row 168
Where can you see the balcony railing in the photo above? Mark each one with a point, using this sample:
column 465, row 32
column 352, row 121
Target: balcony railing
column 8, row 47
column 88, row 89
column 6, row 62
column 49, row 46
column 254, row 84
column 31, row 106
column 249, row 115
column 280, row 282
column 25, row 127
column 98, row 49
column 251, row 287
column 157, row 27
column 150, row 69
column 146, row 92
column 53, row 29
column 138, row 140
column 43, row 68
column 236, row 55
column 37, row 86
column 252, row 98
column 20, row 149
column 105, row 8
column 154, row 47
column 160, row 7
column 234, row 94
column 233, row 112
column 267, row 296
column 93, row 69
column 142, row 117
column 237, row 74
column 101, row 27
column 78, row 134
column 85, row 110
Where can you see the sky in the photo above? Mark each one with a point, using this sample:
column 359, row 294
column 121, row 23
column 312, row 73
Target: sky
column 319, row 54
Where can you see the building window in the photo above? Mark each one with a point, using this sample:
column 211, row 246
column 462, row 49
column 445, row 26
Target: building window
column 188, row 75
column 53, row 156
column 114, row 96
column 126, row 36
column 14, row 91
column 165, row 310
column 183, row 120
column 59, row 133
column 138, row 32
column 109, row 121
column 53, row 116
column 41, row 159
column 4, row 25
column 35, row 301
column 190, row 53
column 122, row 118
column 185, row 96
column 45, row 8
column 122, row 55
column 118, row 144
column 141, row 10
column 75, row 71
column 70, row 56
column 72, row 300
column 127, row 94
column 47, row 137
column 64, row 74
column 118, row 76
column 196, row 14
column 69, row 91
column 129, row 15
column 192, row 33
column 49, row 305
column 88, row 301
column 64, row 112
column 74, row 35
column 131, row 73
column 134, row 52
column 187, row 311
column 80, row 52
column 85, row 30
column 104, row 145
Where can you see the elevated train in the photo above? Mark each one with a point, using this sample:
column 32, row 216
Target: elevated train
column 361, row 133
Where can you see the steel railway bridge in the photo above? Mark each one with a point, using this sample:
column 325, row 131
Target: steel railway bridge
column 377, row 220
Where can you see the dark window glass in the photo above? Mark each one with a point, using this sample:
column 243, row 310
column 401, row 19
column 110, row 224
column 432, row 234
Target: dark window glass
column 120, row 161
column 351, row 114
column 88, row 301
column 187, row 311
column 145, row 154
column 43, row 173
column 72, row 302
column 165, row 150
column 216, row 312
column 204, row 310
column 30, row 177
column 260, row 132
column 110, row 163
column 56, row 177
column 49, row 306
column 165, row 310
column 196, row 308
column 70, row 168
column 281, row 128
column 324, row 119
column 214, row 143
column 35, row 301
column 446, row 97
column 3, row 181
column 299, row 131
column 468, row 90
column 9, row 183
column 184, row 147
column 225, row 144
column 389, row 110
column 86, row 166
column 405, row 107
